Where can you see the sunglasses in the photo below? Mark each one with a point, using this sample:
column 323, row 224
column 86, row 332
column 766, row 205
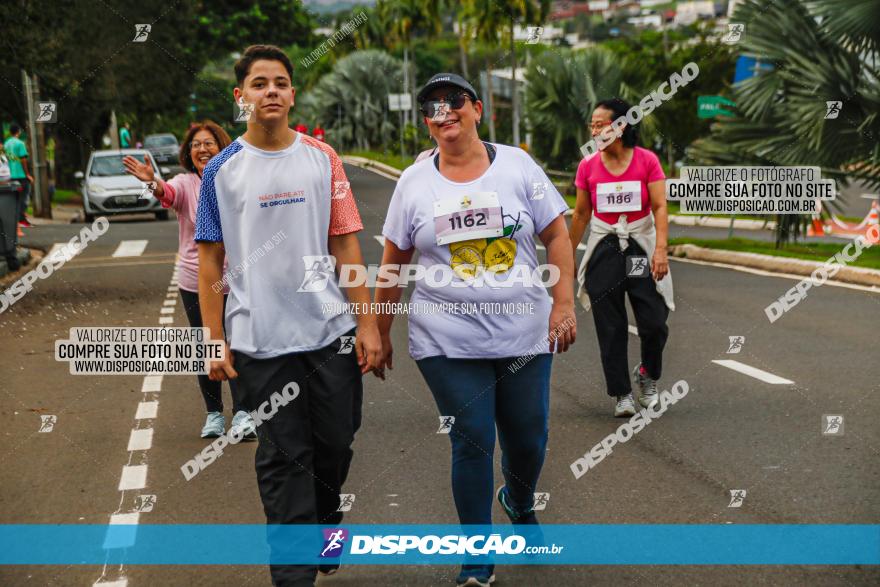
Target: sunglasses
column 438, row 110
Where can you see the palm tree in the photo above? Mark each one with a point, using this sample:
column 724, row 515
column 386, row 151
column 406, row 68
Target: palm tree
column 351, row 101
column 407, row 17
column 562, row 91
column 529, row 13
column 819, row 53
column 488, row 19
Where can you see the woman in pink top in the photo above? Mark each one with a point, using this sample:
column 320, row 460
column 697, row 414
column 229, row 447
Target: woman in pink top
column 621, row 195
column 202, row 142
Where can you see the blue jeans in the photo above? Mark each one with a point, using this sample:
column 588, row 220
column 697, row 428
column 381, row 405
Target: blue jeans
column 483, row 393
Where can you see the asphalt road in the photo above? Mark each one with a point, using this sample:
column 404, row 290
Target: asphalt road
column 732, row 431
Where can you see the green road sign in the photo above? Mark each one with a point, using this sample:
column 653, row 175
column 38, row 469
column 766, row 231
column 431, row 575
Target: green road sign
column 712, row 106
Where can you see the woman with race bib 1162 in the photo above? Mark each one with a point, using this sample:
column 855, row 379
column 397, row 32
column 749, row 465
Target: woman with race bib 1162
column 485, row 336
column 621, row 195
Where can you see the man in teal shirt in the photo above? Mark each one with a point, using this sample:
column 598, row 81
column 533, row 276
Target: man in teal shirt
column 16, row 152
column 124, row 137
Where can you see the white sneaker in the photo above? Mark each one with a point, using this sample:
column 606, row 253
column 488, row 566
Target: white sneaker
column 625, row 406
column 244, row 426
column 647, row 387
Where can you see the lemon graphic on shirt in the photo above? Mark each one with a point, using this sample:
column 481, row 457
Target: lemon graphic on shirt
column 499, row 255
column 467, row 257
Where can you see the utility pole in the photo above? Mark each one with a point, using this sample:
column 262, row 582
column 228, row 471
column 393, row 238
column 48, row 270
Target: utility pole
column 34, row 153
column 514, row 93
column 114, row 131
column 42, row 203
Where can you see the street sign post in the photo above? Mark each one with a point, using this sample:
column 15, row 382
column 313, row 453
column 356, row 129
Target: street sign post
column 400, row 103
column 712, row 106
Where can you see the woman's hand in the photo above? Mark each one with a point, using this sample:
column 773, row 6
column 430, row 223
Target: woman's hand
column 659, row 263
column 563, row 327
column 368, row 347
column 385, row 360
column 142, row 171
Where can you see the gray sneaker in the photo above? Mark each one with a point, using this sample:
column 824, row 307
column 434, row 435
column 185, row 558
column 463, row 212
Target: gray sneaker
column 244, row 425
column 647, row 387
column 215, row 425
column 625, row 406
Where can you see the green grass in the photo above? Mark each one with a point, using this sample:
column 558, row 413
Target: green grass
column 388, row 158
column 67, row 197
column 870, row 257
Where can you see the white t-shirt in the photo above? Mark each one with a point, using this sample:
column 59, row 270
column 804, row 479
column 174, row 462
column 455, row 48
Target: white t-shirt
column 274, row 211
column 476, row 329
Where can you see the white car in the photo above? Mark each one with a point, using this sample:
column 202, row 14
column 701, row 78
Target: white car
column 108, row 189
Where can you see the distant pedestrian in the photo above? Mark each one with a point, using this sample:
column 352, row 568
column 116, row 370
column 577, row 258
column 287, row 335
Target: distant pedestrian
column 19, row 168
column 202, row 142
column 621, row 195
column 125, row 136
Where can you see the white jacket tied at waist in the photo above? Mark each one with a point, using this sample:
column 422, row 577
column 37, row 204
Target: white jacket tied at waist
column 642, row 231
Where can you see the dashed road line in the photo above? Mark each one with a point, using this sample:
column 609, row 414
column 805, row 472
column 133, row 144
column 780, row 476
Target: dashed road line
column 140, row 440
column 130, row 248
column 753, row 372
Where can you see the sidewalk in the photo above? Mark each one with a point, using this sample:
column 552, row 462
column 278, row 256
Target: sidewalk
column 61, row 214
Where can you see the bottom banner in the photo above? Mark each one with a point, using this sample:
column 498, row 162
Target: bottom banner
column 591, row 544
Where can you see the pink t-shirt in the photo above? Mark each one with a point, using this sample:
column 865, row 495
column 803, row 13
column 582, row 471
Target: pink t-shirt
column 627, row 193
column 181, row 193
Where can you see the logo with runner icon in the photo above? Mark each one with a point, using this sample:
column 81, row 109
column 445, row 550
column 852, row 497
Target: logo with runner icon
column 541, row 501
column 636, row 266
column 334, row 542
column 346, row 501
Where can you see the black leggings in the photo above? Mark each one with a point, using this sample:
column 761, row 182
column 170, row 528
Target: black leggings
column 210, row 389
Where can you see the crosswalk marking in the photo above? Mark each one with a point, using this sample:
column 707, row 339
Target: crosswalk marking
column 130, row 248
column 753, row 372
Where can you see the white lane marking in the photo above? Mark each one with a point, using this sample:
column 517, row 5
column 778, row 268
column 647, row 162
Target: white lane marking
column 870, row 196
column 130, row 249
column 171, row 288
column 632, row 329
column 166, row 311
column 380, row 238
column 118, row 583
column 140, row 439
column 753, row 372
column 152, row 383
column 868, row 288
column 171, row 294
column 146, row 410
column 133, row 477
column 581, row 247
column 166, row 320
column 169, row 302
column 57, row 253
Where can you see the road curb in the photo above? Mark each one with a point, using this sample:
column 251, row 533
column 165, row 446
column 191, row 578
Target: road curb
column 678, row 219
column 769, row 263
column 372, row 165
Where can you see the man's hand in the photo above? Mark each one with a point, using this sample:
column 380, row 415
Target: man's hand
column 223, row 370
column 659, row 263
column 368, row 346
column 563, row 327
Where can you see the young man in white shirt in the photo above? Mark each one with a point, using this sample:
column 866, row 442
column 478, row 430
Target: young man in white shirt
column 273, row 180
